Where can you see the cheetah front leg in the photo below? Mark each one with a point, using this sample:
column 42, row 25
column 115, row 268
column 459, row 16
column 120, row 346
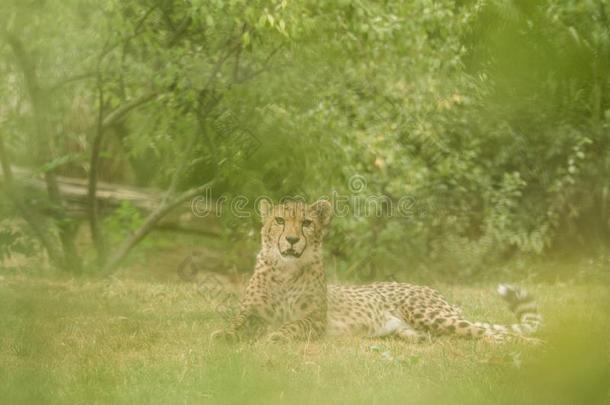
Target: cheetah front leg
column 253, row 311
column 310, row 327
column 244, row 323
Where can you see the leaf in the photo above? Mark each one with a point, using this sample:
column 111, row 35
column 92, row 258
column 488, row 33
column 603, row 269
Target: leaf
column 245, row 39
column 271, row 20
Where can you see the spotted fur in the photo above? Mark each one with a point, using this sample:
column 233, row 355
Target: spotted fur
column 289, row 294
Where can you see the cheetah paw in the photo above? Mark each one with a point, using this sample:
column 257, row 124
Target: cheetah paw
column 277, row 337
column 224, row 334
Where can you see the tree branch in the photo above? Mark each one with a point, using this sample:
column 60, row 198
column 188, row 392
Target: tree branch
column 101, row 125
column 96, row 148
column 92, row 211
column 59, row 84
column 137, row 31
column 149, row 223
column 201, row 118
column 263, row 69
column 5, row 162
column 121, row 111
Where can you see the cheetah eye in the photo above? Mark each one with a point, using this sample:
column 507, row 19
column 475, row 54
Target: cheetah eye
column 279, row 221
column 307, row 223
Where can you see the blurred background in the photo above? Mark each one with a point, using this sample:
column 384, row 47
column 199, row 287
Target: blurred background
column 486, row 122
column 462, row 143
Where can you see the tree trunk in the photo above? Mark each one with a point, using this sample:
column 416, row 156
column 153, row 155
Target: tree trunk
column 45, row 151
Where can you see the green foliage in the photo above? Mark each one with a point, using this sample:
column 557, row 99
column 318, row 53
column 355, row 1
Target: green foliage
column 123, row 221
column 490, row 119
column 12, row 242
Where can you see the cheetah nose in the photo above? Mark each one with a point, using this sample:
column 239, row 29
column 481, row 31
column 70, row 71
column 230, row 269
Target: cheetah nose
column 292, row 239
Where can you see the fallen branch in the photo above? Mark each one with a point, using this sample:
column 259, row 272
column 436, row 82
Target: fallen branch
column 110, row 196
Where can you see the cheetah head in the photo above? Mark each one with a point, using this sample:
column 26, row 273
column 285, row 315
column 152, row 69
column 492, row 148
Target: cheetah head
column 294, row 229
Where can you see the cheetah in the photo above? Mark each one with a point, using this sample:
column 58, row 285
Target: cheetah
column 288, row 292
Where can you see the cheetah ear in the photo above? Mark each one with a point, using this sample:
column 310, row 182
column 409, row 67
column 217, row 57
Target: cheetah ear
column 324, row 211
column 265, row 206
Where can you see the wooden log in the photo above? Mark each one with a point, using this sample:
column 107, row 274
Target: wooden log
column 110, row 196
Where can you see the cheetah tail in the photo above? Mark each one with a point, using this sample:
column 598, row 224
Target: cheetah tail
column 523, row 306
column 519, row 302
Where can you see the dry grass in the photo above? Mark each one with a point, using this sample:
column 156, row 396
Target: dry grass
column 126, row 341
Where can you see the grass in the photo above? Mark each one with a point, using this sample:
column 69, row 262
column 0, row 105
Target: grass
column 134, row 341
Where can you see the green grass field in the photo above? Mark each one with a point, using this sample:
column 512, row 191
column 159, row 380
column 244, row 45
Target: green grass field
column 131, row 341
